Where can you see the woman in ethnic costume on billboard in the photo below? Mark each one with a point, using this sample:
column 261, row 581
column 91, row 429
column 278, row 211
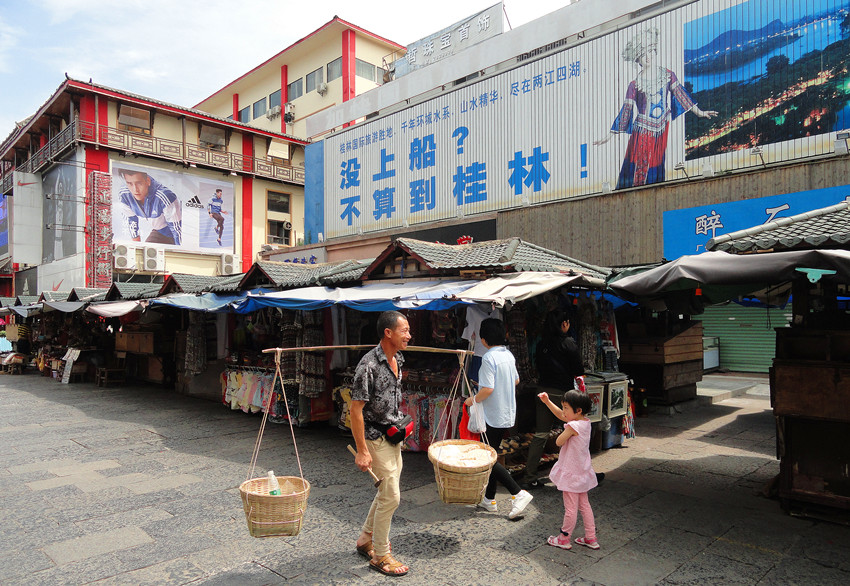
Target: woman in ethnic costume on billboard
column 654, row 98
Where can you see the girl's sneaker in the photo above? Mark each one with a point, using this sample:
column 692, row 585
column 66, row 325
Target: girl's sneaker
column 591, row 544
column 559, row 540
column 488, row 505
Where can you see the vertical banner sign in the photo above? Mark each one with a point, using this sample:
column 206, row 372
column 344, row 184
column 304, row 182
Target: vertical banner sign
column 99, row 262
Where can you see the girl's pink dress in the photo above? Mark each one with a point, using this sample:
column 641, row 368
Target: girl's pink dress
column 573, row 471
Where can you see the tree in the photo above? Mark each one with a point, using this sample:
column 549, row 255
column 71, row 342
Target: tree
column 776, row 64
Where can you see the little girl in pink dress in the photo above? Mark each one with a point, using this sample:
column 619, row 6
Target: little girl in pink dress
column 573, row 473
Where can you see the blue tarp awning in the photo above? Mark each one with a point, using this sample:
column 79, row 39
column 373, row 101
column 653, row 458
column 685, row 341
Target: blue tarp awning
column 432, row 295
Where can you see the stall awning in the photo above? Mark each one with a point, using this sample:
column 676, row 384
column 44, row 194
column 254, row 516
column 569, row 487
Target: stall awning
column 514, row 287
column 370, row 297
column 115, row 308
column 63, row 306
column 741, row 270
column 26, row 310
column 209, row 302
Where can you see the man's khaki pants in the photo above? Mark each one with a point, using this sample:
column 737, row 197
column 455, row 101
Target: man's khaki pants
column 386, row 464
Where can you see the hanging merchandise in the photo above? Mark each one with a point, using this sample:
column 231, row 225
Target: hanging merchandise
column 196, row 343
column 587, row 331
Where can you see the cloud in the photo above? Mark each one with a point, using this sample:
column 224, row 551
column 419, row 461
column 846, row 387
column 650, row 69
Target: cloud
column 9, row 39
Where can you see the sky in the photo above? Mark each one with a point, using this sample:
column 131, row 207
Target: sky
column 181, row 51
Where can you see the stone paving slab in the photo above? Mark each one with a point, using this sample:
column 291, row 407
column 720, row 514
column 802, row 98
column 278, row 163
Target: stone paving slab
column 96, row 544
column 680, row 503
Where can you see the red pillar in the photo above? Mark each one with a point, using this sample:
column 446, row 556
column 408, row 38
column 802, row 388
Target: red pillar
column 348, row 68
column 284, row 95
column 236, row 107
column 247, row 206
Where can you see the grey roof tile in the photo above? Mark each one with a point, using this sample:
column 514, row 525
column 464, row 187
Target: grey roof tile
column 54, row 295
column 825, row 227
column 510, row 253
column 205, row 283
column 87, row 294
column 128, row 291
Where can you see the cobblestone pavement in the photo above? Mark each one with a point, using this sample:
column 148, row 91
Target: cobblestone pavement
column 139, row 485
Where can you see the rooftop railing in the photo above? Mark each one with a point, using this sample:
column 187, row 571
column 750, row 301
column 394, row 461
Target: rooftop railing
column 132, row 143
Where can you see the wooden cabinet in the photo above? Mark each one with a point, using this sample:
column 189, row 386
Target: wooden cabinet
column 135, row 342
column 668, row 367
column 810, row 396
column 681, row 347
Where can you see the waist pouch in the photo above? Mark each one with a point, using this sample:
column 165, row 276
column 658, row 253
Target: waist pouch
column 397, row 432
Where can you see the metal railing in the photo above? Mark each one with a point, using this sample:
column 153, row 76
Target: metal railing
column 133, row 143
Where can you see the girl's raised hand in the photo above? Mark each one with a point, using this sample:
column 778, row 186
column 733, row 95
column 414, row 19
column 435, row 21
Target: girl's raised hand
column 544, row 396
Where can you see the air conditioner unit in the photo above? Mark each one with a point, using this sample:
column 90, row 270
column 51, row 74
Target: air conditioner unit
column 289, row 107
column 273, row 112
column 229, row 264
column 322, row 88
column 287, row 225
column 154, row 259
column 124, row 257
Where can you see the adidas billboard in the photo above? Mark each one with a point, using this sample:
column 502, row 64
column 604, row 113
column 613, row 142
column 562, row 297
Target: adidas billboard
column 195, row 202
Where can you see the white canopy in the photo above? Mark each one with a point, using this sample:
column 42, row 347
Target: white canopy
column 514, row 287
column 115, row 308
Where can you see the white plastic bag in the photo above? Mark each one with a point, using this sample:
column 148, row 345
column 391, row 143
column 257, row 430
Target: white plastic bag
column 476, row 418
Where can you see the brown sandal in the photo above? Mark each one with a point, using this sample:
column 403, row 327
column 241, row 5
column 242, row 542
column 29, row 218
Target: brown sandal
column 388, row 565
column 366, row 550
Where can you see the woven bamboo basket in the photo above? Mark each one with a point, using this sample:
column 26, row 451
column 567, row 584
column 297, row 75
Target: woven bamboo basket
column 460, row 485
column 274, row 515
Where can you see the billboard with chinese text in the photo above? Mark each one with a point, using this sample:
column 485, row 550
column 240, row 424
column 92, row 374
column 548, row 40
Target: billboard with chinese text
column 470, row 31
column 171, row 209
column 687, row 91
column 687, row 231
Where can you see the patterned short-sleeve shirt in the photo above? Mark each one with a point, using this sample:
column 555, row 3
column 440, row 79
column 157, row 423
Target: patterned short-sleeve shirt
column 375, row 383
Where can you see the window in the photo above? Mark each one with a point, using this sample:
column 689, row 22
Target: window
column 274, row 99
column 294, row 90
column 229, row 117
column 279, row 233
column 381, row 76
column 278, row 202
column 245, row 115
column 212, row 137
column 278, row 153
column 364, row 69
column 335, row 69
column 259, row 108
column 314, row 79
column 134, row 119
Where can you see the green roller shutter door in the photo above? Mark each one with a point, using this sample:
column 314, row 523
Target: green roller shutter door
column 747, row 334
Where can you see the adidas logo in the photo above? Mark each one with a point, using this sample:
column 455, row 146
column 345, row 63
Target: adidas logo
column 195, row 202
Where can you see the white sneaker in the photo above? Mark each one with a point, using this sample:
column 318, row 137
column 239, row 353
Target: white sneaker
column 520, row 501
column 488, row 505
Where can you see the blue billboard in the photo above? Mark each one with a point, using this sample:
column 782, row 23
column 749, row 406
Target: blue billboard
column 687, row 231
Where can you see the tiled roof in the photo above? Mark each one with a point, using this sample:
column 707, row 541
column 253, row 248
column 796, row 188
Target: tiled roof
column 87, row 294
column 288, row 275
column 827, row 227
column 204, row 283
column 54, row 295
column 345, row 272
column 510, row 253
column 27, row 299
column 127, row 291
column 7, row 301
